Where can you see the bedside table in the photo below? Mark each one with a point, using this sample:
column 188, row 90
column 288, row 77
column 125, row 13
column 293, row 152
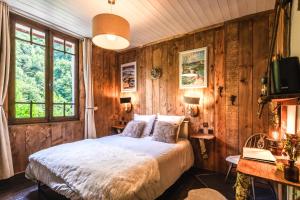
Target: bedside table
column 118, row 128
column 201, row 137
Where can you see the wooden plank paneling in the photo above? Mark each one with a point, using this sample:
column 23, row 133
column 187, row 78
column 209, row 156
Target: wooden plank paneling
column 245, row 82
column 156, row 62
column 220, row 101
column 260, row 55
column 231, row 84
column 171, row 73
column 148, row 67
column 163, row 81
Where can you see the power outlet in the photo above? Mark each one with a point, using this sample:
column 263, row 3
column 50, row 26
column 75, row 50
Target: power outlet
column 205, row 124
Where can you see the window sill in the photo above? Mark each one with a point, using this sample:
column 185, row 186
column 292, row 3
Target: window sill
column 43, row 123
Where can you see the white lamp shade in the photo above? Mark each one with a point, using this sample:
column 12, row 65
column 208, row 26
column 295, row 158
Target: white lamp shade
column 111, row 31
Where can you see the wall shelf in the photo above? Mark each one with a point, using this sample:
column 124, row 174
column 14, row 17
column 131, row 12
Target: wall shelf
column 283, row 97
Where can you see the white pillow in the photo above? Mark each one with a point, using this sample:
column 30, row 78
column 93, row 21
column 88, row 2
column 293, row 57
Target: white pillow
column 174, row 119
column 149, row 119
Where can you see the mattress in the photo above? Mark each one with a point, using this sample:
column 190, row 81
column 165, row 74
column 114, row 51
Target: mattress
column 172, row 161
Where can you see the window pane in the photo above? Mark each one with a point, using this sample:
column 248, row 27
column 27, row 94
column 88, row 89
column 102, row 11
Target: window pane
column 30, row 76
column 70, row 111
column 38, row 37
column 58, row 110
column 22, row 110
column 22, row 32
column 58, row 44
column 38, row 110
column 70, row 47
column 63, row 78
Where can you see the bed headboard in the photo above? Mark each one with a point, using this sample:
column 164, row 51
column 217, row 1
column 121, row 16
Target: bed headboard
column 184, row 130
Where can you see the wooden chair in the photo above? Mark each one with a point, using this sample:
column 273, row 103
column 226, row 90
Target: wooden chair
column 257, row 140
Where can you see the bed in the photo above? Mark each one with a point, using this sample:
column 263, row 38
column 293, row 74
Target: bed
column 112, row 167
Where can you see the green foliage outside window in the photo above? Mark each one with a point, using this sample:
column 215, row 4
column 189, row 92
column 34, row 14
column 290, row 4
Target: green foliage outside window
column 30, row 76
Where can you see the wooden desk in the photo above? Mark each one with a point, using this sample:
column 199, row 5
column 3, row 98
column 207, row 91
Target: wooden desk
column 265, row 171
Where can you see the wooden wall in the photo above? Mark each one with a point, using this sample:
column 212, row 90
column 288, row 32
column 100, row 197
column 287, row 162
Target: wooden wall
column 29, row 138
column 106, row 89
column 237, row 55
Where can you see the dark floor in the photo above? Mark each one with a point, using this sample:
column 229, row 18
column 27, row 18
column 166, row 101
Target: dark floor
column 19, row 188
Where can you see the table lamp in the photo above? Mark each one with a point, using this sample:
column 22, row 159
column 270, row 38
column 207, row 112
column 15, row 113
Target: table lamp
column 192, row 105
column 127, row 102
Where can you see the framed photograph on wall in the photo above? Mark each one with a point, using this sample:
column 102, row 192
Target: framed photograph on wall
column 128, row 77
column 193, row 68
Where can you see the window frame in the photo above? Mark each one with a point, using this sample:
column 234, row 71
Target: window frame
column 49, row 50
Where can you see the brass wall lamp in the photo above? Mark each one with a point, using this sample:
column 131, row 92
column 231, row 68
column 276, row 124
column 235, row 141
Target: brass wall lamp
column 192, row 105
column 127, row 103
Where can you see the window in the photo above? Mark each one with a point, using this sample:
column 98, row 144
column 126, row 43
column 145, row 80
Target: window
column 44, row 74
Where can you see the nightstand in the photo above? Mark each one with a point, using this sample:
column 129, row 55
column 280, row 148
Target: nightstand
column 118, row 128
column 201, row 137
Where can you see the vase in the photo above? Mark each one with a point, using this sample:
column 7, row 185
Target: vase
column 291, row 172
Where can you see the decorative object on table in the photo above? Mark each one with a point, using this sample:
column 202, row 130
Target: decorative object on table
column 128, row 77
column 192, row 105
column 291, row 144
column 274, row 143
column 110, row 31
column 126, row 101
column 193, row 68
column 156, row 73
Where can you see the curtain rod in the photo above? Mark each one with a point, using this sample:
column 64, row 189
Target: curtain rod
column 45, row 22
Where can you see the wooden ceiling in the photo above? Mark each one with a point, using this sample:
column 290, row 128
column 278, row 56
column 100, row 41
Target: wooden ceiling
column 150, row 20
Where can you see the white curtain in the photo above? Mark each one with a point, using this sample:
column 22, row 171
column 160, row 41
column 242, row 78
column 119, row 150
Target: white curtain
column 89, row 124
column 6, row 164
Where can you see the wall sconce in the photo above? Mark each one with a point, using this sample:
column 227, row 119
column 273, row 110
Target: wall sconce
column 192, row 105
column 127, row 102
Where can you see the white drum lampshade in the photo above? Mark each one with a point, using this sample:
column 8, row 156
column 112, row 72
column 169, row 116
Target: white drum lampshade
column 111, row 31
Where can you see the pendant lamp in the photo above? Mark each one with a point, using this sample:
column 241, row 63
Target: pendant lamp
column 110, row 31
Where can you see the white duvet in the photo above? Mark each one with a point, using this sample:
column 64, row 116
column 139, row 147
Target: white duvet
column 113, row 167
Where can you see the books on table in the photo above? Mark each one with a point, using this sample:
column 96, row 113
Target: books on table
column 261, row 155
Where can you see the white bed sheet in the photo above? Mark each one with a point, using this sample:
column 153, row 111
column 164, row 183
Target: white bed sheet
column 173, row 160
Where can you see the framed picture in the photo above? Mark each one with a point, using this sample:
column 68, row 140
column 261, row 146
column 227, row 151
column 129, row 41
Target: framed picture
column 128, row 77
column 193, row 68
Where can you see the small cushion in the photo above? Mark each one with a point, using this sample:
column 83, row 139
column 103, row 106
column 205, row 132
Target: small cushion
column 134, row 129
column 174, row 119
column 165, row 132
column 204, row 194
column 149, row 119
